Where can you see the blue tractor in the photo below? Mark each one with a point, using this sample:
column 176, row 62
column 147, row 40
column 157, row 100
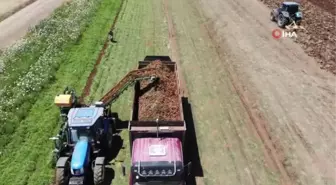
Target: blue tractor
column 85, row 136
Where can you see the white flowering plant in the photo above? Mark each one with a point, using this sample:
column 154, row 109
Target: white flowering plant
column 29, row 65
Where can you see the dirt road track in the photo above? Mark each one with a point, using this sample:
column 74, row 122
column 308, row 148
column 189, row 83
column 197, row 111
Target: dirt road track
column 16, row 26
column 284, row 98
column 8, row 8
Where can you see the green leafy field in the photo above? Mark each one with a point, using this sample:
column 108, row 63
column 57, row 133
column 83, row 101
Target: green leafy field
column 26, row 157
column 31, row 63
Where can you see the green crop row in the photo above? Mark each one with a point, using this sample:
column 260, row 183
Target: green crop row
column 62, row 56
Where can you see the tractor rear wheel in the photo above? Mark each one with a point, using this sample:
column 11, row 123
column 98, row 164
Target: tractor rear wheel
column 98, row 174
column 62, row 177
column 282, row 21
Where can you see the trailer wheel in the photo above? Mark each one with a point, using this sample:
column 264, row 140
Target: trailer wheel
column 61, row 176
column 99, row 174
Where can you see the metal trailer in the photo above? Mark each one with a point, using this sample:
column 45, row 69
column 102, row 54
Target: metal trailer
column 157, row 145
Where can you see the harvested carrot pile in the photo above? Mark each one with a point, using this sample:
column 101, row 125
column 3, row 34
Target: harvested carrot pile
column 161, row 101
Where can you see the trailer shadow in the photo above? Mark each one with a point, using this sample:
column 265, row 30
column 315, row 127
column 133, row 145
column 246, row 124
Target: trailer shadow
column 191, row 146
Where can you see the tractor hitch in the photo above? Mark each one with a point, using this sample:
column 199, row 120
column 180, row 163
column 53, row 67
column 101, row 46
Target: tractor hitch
column 76, row 181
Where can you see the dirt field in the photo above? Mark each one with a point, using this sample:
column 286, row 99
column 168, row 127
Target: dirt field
column 319, row 39
column 290, row 102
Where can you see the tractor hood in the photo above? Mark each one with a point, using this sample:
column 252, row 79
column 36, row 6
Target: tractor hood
column 79, row 155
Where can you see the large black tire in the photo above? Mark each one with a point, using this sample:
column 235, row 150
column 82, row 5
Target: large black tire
column 282, row 21
column 62, row 177
column 98, row 174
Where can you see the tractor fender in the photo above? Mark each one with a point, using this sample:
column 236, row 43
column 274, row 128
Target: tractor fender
column 285, row 14
column 61, row 162
column 100, row 161
column 275, row 11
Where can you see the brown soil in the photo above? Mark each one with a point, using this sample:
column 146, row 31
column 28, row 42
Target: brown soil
column 319, row 40
column 162, row 101
column 327, row 5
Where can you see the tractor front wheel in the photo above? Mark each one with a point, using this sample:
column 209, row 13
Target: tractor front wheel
column 282, row 21
column 62, row 177
column 98, row 174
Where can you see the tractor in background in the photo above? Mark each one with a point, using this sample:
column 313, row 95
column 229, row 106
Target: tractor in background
column 288, row 16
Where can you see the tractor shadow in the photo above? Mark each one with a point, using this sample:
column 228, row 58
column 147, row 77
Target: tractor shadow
column 109, row 176
column 117, row 145
column 191, row 153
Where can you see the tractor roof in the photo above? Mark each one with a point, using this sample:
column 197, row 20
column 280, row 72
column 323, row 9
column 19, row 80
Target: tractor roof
column 84, row 117
column 291, row 3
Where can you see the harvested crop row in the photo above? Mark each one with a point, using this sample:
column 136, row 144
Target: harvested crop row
column 162, row 101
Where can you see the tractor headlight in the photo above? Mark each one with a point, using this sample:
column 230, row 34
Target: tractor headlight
column 298, row 14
